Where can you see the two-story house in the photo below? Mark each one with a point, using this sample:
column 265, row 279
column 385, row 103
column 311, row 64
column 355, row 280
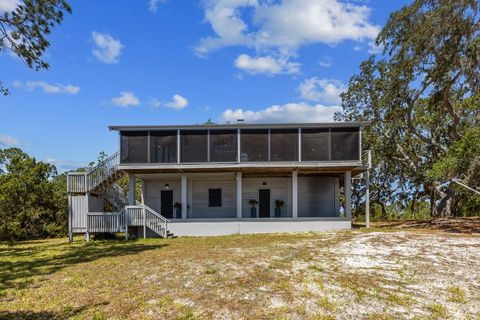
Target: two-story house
column 220, row 179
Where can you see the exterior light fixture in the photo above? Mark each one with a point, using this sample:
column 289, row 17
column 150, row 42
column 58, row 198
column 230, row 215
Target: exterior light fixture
column 167, row 186
column 264, row 183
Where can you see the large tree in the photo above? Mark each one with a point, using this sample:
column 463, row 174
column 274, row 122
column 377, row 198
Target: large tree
column 32, row 197
column 23, row 31
column 420, row 95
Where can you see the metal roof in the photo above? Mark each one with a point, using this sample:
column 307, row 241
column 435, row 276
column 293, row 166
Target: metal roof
column 241, row 125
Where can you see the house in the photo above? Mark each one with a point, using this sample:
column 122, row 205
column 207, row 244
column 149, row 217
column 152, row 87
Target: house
column 219, row 179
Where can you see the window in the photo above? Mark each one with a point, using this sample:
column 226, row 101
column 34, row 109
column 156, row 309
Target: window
column 315, row 144
column 214, row 197
column 254, row 145
column 163, row 146
column 223, row 145
column 284, row 144
column 134, row 146
column 345, row 143
column 193, row 145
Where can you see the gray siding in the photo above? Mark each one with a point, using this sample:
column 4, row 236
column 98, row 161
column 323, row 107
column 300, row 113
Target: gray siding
column 153, row 190
column 280, row 189
column 317, row 197
column 200, row 208
column 79, row 210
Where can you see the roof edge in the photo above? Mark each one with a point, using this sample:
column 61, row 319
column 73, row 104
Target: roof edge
column 241, row 125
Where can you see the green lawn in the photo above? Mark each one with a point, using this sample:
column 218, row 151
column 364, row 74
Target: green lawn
column 380, row 274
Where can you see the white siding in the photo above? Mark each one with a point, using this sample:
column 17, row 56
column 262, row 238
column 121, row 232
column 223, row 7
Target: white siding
column 317, row 197
column 279, row 190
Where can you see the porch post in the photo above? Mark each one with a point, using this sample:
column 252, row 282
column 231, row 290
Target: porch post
column 70, row 221
column 131, row 189
column 347, row 187
column 367, row 189
column 184, row 196
column 294, row 194
column 239, row 195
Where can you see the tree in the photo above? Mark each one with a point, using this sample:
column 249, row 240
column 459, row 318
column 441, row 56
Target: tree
column 32, row 197
column 23, row 31
column 416, row 96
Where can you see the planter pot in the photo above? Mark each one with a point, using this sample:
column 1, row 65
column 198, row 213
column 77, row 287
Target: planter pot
column 178, row 213
column 253, row 212
column 278, row 212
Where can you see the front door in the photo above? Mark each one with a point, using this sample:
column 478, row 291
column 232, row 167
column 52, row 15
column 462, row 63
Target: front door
column 264, row 203
column 166, row 205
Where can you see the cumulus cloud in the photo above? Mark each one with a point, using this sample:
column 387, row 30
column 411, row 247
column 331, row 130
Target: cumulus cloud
column 291, row 112
column 107, row 49
column 126, row 99
column 8, row 5
column 46, row 87
column 266, row 65
column 321, row 90
column 178, row 102
column 8, row 141
column 284, row 25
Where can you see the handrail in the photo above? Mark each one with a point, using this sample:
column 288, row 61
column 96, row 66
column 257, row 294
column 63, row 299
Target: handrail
column 93, row 177
column 137, row 215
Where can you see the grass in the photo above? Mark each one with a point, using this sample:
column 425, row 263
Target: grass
column 277, row 276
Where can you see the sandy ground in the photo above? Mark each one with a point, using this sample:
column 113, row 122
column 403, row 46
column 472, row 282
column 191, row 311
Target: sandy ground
column 380, row 274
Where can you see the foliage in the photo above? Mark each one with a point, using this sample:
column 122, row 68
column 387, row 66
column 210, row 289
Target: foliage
column 421, row 96
column 279, row 203
column 23, row 31
column 32, row 198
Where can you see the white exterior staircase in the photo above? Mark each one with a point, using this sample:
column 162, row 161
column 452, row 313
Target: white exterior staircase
column 100, row 181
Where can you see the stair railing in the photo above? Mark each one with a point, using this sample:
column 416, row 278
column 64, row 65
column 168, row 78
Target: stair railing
column 142, row 215
column 87, row 181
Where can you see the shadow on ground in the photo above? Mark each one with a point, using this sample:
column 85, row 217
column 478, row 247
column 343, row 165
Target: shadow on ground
column 450, row 225
column 20, row 263
column 41, row 315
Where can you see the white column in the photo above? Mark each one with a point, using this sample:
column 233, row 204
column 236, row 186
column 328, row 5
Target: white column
column 347, row 187
column 131, row 189
column 184, row 197
column 239, row 195
column 295, row 194
column 367, row 190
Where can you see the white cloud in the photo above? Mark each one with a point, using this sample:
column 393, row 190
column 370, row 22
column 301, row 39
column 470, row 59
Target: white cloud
column 153, row 5
column 46, row 87
column 284, row 25
column 266, row 65
column 321, row 90
column 8, row 5
column 107, row 49
column 126, row 99
column 326, row 62
column 178, row 102
column 291, row 112
column 8, row 141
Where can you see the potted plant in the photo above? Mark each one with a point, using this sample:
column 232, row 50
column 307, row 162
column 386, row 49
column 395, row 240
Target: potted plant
column 253, row 210
column 278, row 208
column 178, row 210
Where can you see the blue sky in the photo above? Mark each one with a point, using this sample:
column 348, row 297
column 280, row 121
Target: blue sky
column 183, row 62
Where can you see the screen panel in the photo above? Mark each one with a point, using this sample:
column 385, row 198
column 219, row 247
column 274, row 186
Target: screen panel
column 345, row 143
column 254, row 145
column 163, row 146
column 223, row 145
column 193, row 145
column 284, row 145
column 315, row 144
column 134, row 146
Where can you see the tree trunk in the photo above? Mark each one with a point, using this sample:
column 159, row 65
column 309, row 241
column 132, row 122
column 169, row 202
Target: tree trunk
column 446, row 204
